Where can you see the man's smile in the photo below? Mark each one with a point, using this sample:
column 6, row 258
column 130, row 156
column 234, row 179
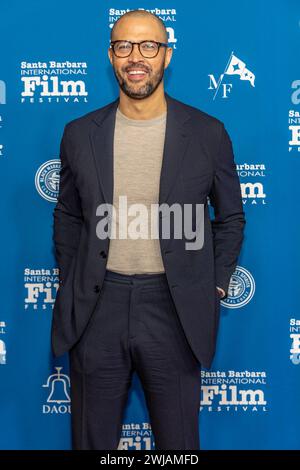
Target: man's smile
column 136, row 74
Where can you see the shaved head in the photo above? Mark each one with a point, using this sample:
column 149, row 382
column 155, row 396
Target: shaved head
column 143, row 14
column 139, row 76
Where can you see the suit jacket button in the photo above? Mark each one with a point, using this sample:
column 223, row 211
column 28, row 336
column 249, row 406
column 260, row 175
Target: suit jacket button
column 103, row 254
column 96, row 289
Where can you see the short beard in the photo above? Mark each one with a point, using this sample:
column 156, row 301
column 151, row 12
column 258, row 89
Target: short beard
column 143, row 92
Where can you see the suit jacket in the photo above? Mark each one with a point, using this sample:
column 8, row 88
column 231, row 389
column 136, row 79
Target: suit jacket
column 198, row 164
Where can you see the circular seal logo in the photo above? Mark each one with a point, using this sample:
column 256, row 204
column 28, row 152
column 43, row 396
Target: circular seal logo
column 47, row 180
column 241, row 289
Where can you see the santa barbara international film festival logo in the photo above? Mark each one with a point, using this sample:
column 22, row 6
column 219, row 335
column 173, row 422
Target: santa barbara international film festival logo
column 58, row 399
column 2, row 343
column 167, row 15
column 2, row 101
column 233, row 391
column 241, row 289
column 294, row 118
column 47, row 179
column 53, row 82
column 41, row 286
column 136, row 436
column 295, row 341
column 2, row 92
column 253, row 191
column 234, row 66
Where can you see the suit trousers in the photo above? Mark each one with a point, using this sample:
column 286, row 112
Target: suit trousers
column 134, row 328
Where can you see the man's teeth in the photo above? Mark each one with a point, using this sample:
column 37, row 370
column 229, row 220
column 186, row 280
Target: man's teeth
column 135, row 72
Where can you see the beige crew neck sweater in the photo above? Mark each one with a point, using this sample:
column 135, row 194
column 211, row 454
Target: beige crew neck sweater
column 138, row 152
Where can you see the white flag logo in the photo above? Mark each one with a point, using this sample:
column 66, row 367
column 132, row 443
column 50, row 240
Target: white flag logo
column 237, row 67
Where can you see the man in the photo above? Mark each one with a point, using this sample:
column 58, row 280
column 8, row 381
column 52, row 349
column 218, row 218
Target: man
column 146, row 304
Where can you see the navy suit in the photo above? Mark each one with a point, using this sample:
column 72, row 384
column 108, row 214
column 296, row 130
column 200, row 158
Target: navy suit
column 198, row 162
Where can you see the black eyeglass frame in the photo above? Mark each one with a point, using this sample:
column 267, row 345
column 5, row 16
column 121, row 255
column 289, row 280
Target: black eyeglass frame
column 112, row 44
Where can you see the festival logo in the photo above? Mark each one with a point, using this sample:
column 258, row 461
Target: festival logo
column 295, row 341
column 2, row 343
column 234, row 66
column 253, row 191
column 294, row 118
column 47, row 180
column 53, row 82
column 58, row 399
column 167, row 15
column 2, row 92
column 241, row 289
column 136, row 436
column 41, row 286
column 236, row 391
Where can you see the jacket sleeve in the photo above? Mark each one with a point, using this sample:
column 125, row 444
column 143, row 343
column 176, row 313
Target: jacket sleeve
column 229, row 217
column 68, row 218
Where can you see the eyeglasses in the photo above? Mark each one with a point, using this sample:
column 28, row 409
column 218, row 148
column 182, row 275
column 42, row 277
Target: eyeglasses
column 148, row 49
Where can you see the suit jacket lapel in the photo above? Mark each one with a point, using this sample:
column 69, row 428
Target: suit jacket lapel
column 102, row 139
column 176, row 141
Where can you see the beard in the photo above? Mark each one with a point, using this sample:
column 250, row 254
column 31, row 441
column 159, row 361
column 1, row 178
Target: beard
column 140, row 91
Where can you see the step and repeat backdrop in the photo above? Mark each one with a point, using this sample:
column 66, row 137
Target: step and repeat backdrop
column 238, row 61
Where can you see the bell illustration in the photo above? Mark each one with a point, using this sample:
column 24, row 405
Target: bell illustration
column 59, row 387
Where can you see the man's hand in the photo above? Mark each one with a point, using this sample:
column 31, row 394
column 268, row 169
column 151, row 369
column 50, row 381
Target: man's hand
column 221, row 292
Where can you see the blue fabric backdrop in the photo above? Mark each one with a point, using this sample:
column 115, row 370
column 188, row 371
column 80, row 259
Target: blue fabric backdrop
column 238, row 61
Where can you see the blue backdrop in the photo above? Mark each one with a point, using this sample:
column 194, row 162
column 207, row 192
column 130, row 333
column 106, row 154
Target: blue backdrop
column 238, row 61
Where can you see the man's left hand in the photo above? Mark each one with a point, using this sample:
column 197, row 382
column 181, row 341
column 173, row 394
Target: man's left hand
column 221, row 292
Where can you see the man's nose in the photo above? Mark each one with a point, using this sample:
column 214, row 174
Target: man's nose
column 135, row 53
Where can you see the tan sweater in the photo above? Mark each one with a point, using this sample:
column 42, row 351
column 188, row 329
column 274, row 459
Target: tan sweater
column 138, row 151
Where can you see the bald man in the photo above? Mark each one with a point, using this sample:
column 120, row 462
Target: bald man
column 143, row 302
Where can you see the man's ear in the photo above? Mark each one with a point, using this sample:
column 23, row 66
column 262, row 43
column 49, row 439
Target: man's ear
column 168, row 56
column 109, row 53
